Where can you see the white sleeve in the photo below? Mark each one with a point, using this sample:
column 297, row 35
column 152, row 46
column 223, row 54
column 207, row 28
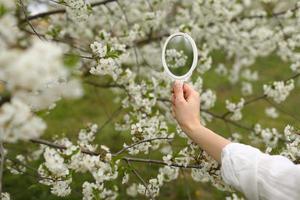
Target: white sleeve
column 259, row 175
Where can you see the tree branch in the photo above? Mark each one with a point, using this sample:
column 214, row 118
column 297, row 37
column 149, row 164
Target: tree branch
column 61, row 147
column 62, row 10
column 113, row 115
column 130, row 159
column 159, row 162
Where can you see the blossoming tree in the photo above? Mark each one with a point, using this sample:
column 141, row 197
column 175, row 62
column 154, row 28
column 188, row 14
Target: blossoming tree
column 117, row 46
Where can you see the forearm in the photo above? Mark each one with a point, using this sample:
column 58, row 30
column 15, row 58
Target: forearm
column 186, row 110
column 209, row 141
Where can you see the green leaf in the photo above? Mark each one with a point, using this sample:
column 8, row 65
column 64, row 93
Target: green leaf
column 54, row 32
column 3, row 10
column 113, row 54
column 71, row 60
column 89, row 8
column 34, row 186
column 101, row 35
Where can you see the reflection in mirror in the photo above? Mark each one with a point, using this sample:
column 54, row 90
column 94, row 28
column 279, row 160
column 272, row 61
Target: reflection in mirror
column 179, row 55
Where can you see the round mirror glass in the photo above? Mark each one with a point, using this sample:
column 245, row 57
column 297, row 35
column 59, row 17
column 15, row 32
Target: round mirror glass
column 179, row 56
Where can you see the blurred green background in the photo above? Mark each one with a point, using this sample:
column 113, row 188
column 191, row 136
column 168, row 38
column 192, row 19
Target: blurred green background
column 97, row 106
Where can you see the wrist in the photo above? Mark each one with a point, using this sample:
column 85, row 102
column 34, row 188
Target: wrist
column 193, row 127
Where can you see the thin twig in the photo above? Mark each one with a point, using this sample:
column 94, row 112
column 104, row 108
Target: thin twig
column 113, row 115
column 283, row 111
column 105, row 85
column 228, row 120
column 27, row 20
column 36, row 174
column 140, row 142
column 138, row 176
column 1, row 166
column 263, row 96
column 250, row 101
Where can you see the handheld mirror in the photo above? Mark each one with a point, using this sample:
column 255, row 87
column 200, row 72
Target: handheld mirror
column 179, row 56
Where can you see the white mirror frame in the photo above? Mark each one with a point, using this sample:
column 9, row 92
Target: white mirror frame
column 195, row 57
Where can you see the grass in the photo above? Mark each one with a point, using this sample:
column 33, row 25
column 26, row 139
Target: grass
column 97, row 105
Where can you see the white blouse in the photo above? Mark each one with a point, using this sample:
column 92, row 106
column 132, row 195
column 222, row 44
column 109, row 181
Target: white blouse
column 259, row 175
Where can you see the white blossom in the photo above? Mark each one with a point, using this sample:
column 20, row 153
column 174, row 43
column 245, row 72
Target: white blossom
column 99, row 48
column 295, row 67
column 125, row 178
column 61, row 189
column 17, row 122
column 271, row 112
column 77, row 9
column 208, row 99
column 175, row 59
column 292, row 148
column 250, row 76
column 5, row 196
column 93, row 191
column 247, row 88
column 234, row 197
column 235, row 109
column 205, row 61
column 279, row 90
column 132, row 190
column 168, row 159
column 221, row 69
column 38, row 84
column 169, row 173
column 55, row 162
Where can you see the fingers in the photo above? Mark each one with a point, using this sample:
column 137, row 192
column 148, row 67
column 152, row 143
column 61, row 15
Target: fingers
column 189, row 92
column 178, row 91
column 173, row 99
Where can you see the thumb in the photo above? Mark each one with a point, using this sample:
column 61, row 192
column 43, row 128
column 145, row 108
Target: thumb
column 178, row 90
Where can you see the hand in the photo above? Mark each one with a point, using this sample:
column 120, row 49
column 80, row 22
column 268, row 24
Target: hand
column 186, row 107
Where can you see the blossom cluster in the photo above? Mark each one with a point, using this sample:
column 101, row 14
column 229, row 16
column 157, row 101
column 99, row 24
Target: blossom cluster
column 235, row 109
column 270, row 137
column 59, row 165
column 271, row 112
column 108, row 55
column 279, row 90
column 175, row 59
column 78, row 10
column 17, row 122
column 38, row 86
column 292, row 146
column 5, row 196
